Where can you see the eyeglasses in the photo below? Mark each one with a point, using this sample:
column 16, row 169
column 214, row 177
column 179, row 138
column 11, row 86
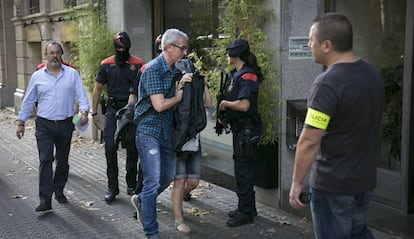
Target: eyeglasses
column 182, row 48
column 57, row 53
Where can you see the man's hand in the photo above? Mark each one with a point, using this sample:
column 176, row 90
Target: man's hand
column 96, row 122
column 84, row 119
column 20, row 129
column 187, row 77
column 294, row 194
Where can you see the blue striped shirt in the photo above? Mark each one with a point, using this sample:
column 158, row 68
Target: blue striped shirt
column 55, row 95
column 156, row 79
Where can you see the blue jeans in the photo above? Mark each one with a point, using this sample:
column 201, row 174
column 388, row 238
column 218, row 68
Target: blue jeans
column 340, row 216
column 158, row 167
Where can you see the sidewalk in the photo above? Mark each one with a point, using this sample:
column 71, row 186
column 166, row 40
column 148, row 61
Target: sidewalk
column 88, row 216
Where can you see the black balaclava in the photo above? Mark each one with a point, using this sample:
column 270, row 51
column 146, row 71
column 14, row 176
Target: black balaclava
column 122, row 43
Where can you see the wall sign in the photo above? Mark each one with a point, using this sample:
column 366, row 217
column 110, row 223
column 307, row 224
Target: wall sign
column 298, row 48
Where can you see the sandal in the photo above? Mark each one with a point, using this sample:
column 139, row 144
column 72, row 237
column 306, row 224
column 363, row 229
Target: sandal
column 182, row 227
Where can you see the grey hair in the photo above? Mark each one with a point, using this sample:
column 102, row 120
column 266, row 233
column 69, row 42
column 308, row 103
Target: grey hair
column 50, row 43
column 171, row 36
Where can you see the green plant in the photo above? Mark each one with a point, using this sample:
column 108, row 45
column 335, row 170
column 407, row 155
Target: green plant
column 246, row 19
column 94, row 41
column 391, row 122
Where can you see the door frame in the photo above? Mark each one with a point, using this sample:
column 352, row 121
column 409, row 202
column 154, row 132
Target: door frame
column 399, row 185
column 407, row 124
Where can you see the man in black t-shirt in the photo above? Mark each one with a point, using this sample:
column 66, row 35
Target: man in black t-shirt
column 341, row 137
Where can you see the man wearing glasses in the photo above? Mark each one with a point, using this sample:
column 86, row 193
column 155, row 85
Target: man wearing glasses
column 55, row 88
column 157, row 95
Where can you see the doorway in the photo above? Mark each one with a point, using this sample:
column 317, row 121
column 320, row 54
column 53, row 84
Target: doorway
column 382, row 30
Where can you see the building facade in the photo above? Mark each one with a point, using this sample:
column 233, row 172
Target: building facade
column 8, row 78
column 383, row 32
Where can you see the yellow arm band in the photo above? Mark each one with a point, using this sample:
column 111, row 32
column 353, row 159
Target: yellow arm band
column 317, row 119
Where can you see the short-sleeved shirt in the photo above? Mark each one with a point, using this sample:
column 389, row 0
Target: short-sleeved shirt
column 157, row 78
column 118, row 77
column 134, row 88
column 351, row 95
column 242, row 84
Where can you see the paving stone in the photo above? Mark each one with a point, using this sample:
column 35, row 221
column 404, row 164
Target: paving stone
column 88, row 216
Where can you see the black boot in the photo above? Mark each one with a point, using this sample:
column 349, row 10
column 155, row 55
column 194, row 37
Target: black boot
column 61, row 198
column 130, row 191
column 110, row 196
column 233, row 213
column 44, row 206
column 240, row 219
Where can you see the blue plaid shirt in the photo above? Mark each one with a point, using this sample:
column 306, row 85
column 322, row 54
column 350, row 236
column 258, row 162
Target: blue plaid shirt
column 156, row 79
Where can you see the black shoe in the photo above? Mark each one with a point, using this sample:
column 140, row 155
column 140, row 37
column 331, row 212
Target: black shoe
column 110, row 196
column 131, row 191
column 232, row 213
column 61, row 198
column 44, row 207
column 187, row 197
column 239, row 219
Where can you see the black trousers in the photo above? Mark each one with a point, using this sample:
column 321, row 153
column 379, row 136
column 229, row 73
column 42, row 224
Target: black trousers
column 244, row 170
column 112, row 156
column 52, row 135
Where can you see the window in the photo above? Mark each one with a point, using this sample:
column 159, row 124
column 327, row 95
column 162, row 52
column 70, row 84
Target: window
column 200, row 20
column 70, row 3
column 33, row 6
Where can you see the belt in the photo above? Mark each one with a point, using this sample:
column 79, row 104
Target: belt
column 69, row 119
column 117, row 100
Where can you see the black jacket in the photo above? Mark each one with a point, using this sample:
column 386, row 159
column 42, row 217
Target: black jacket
column 189, row 115
column 125, row 127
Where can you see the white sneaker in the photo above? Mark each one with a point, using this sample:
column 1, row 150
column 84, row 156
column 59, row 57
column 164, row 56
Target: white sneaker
column 137, row 205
